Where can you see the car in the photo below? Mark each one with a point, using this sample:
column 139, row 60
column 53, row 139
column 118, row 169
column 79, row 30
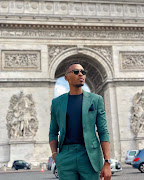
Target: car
column 54, row 169
column 20, row 164
column 130, row 155
column 138, row 161
column 49, row 164
column 115, row 167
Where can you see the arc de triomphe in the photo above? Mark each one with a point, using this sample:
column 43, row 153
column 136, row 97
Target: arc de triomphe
column 39, row 38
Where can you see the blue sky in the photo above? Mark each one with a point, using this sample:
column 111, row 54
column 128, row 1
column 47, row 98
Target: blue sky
column 62, row 87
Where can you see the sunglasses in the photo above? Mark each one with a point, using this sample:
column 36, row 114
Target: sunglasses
column 76, row 72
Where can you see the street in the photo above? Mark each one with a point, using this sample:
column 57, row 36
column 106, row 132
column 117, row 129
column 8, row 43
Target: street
column 128, row 173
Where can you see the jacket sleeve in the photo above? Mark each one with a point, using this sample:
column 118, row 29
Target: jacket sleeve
column 54, row 129
column 101, row 121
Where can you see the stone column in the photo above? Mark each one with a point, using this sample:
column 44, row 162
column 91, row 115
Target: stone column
column 22, row 149
column 51, row 89
column 140, row 141
column 112, row 120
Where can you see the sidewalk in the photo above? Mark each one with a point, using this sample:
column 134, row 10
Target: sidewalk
column 9, row 170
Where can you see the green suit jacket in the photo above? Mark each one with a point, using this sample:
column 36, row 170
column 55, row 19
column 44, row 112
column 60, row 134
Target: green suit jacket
column 91, row 120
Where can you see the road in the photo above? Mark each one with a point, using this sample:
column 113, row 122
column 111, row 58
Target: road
column 128, row 173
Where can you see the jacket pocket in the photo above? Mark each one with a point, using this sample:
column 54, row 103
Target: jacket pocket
column 91, row 112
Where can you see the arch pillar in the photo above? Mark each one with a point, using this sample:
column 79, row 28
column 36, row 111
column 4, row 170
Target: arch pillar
column 110, row 100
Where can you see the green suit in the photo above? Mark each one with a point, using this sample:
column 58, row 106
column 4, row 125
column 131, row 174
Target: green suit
column 91, row 119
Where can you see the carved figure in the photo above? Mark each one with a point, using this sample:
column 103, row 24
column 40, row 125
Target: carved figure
column 21, row 117
column 21, row 60
column 137, row 118
column 55, row 50
column 133, row 61
column 105, row 51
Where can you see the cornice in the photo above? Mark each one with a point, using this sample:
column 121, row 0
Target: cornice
column 84, row 1
column 27, row 80
column 69, row 27
column 42, row 31
column 67, row 20
column 71, row 10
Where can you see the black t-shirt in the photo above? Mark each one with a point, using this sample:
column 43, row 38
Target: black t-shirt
column 74, row 130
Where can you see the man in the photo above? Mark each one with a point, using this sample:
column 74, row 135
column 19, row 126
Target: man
column 76, row 115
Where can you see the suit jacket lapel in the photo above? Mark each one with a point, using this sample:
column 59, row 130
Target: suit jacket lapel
column 64, row 111
column 85, row 106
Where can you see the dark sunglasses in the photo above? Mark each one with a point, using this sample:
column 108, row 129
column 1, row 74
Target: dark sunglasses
column 76, row 72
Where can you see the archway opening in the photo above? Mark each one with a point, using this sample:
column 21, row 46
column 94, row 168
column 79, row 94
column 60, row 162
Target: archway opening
column 62, row 87
column 96, row 74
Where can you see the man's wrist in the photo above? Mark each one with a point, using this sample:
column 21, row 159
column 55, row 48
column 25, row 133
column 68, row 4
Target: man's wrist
column 53, row 154
column 108, row 161
column 107, row 164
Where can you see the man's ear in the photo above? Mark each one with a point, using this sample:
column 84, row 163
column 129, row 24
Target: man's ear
column 66, row 78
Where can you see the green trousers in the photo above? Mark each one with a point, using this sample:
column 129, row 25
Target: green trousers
column 73, row 164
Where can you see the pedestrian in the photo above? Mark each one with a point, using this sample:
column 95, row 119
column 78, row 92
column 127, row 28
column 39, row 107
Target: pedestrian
column 76, row 116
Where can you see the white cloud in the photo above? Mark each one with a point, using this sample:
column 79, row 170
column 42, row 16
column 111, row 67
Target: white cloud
column 86, row 88
column 60, row 89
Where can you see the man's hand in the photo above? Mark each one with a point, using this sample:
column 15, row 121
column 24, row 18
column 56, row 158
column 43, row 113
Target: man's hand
column 106, row 172
column 53, row 146
column 53, row 157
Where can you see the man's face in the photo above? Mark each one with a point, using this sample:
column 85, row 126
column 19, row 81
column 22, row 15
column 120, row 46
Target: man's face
column 75, row 80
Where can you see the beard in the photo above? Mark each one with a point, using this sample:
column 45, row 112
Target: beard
column 79, row 85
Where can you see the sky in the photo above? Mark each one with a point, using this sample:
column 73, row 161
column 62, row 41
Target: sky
column 62, row 87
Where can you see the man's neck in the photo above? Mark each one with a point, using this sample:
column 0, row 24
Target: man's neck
column 75, row 91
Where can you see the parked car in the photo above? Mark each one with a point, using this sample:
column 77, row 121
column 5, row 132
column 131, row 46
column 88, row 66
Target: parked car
column 138, row 162
column 20, row 164
column 54, row 169
column 115, row 167
column 49, row 164
column 130, row 155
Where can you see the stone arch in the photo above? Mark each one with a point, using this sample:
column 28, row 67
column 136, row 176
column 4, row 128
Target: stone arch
column 99, row 68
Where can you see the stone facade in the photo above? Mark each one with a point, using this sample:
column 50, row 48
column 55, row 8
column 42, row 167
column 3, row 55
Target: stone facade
column 38, row 39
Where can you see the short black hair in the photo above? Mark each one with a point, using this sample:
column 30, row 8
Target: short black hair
column 71, row 65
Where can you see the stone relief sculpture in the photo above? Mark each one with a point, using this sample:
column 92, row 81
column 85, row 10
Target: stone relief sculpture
column 137, row 118
column 105, row 51
column 105, row 33
column 21, row 117
column 20, row 60
column 55, row 50
column 132, row 60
